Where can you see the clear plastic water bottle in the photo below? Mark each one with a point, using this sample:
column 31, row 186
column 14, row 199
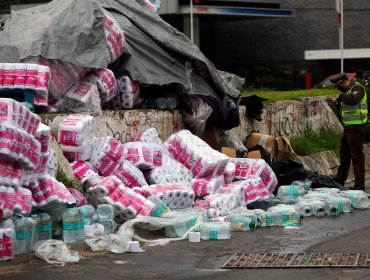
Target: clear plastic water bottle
column 31, row 225
column 45, row 225
column 359, row 199
column 105, row 212
column 21, row 234
column 290, row 190
column 71, row 220
column 88, row 212
column 215, row 231
column 159, row 207
column 81, row 225
column 335, row 206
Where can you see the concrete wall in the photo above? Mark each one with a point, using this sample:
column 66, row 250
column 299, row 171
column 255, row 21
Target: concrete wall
column 123, row 125
column 284, row 118
column 291, row 118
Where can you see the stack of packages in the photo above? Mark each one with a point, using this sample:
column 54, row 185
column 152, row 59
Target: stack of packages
column 26, row 76
column 75, row 135
column 127, row 94
column 20, row 153
column 114, row 36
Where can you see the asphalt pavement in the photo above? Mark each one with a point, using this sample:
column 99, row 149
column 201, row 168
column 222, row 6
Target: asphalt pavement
column 348, row 233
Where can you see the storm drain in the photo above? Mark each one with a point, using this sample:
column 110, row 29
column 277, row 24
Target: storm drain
column 298, row 260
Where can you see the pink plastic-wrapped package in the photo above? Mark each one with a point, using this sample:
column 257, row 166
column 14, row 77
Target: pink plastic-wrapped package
column 79, row 197
column 195, row 154
column 205, row 186
column 114, row 36
column 149, row 135
column 261, row 169
column 143, row 155
column 107, row 84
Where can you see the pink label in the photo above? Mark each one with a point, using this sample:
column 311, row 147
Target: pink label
column 68, row 138
column 108, row 166
column 126, row 177
column 146, row 154
column 116, row 194
column 265, row 176
column 133, row 155
column 157, row 158
column 4, row 111
column 42, row 80
column 126, row 199
column 82, row 89
column 1, row 76
column 31, row 78
column 8, row 78
column 116, row 150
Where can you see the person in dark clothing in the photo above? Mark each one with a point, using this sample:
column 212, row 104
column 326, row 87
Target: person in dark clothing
column 353, row 109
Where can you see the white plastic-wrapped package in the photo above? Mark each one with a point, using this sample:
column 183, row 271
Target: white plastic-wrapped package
column 143, row 155
column 63, row 76
column 52, row 165
column 253, row 189
column 129, row 91
column 173, row 195
column 107, row 84
column 205, row 186
column 43, row 135
column 261, row 169
column 114, row 36
column 171, row 171
column 229, row 172
column 129, row 174
column 195, row 154
column 75, row 134
column 8, row 112
column 76, row 130
column 242, row 167
column 149, row 135
column 85, row 174
column 27, row 76
column 82, row 97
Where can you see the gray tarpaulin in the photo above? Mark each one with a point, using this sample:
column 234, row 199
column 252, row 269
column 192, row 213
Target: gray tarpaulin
column 72, row 31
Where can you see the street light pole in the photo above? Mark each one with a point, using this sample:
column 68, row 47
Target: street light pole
column 342, row 37
column 191, row 21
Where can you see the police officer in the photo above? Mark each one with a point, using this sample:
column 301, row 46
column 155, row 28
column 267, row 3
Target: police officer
column 353, row 109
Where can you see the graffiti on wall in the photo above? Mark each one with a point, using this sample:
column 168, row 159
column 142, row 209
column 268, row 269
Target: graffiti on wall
column 293, row 119
column 133, row 122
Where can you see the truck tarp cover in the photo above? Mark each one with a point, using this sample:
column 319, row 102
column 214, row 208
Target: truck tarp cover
column 72, row 31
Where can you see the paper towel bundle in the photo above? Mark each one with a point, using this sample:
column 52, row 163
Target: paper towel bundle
column 110, row 160
column 19, row 116
column 52, row 164
column 11, row 174
column 105, row 187
column 26, row 76
column 204, row 186
column 131, row 205
column 261, row 169
column 129, row 92
column 18, row 146
column 109, row 146
column 195, row 154
column 114, row 36
column 253, row 189
column 172, row 195
column 48, row 192
column 171, row 171
column 15, row 201
column 85, row 174
column 229, row 172
column 107, row 84
column 75, row 134
column 149, row 135
column 143, row 155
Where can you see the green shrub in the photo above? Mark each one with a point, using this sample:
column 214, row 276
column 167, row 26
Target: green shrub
column 313, row 142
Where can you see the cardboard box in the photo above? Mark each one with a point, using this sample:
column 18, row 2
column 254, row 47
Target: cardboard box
column 268, row 142
column 285, row 150
column 278, row 146
column 254, row 154
column 228, row 151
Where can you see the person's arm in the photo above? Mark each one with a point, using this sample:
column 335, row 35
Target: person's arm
column 354, row 97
